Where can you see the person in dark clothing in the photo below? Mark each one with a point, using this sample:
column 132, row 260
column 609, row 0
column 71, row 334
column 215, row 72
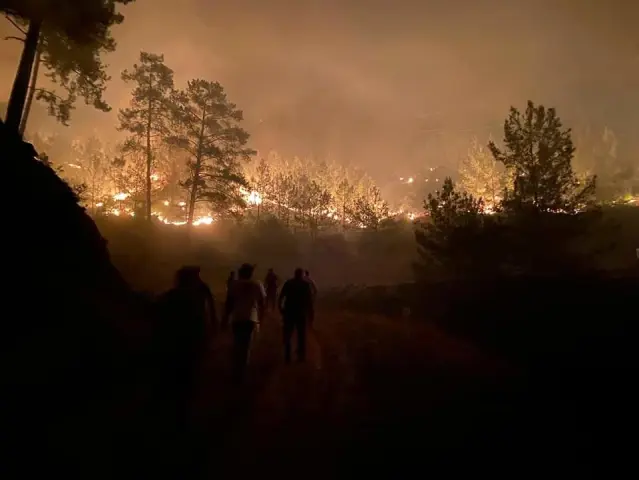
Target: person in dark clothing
column 296, row 305
column 270, row 283
column 185, row 313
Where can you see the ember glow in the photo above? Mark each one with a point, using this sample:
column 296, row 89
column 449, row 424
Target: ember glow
column 250, row 197
column 255, row 198
column 120, row 196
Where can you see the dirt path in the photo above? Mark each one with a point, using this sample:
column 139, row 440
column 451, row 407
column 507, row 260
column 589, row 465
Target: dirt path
column 369, row 384
column 280, row 408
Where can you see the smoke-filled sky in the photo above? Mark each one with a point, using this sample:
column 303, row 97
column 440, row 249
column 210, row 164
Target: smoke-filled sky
column 388, row 85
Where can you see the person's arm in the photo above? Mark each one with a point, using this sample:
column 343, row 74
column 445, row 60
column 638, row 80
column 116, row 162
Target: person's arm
column 211, row 301
column 282, row 297
column 310, row 300
column 228, row 306
column 261, row 303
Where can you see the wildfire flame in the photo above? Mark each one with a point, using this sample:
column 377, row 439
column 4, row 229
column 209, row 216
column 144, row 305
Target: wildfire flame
column 253, row 198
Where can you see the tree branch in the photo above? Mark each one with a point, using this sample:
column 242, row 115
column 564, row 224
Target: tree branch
column 53, row 94
column 14, row 38
column 12, row 22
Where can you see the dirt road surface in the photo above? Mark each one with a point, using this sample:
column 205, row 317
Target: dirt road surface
column 375, row 394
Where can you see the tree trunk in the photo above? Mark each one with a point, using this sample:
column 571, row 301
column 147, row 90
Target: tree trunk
column 173, row 175
column 20, row 87
column 196, row 172
column 93, row 194
column 344, row 217
column 149, row 163
column 193, row 195
column 31, row 93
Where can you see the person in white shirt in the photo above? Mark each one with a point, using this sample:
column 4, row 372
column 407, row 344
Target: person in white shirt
column 247, row 301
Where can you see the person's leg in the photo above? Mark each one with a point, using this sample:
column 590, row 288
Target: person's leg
column 249, row 335
column 311, row 317
column 272, row 297
column 301, row 339
column 288, row 327
column 238, row 349
column 242, row 332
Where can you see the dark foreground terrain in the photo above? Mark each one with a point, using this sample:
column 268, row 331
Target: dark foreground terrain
column 390, row 396
column 378, row 395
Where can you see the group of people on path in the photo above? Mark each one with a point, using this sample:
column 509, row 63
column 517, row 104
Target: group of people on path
column 188, row 317
column 248, row 302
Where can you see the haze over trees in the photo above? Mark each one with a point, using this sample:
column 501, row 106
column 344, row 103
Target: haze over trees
column 188, row 160
column 601, row 153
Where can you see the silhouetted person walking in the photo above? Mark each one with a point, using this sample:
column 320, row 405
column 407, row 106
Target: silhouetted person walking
column 246, row 311
column 270, row 283
column 185, row 312
column 296, row 305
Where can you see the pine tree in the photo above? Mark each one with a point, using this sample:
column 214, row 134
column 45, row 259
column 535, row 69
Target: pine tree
column 148, row 119
column 210, row 133
column 449, row 242
column 92, row 160
column 547, row 210
column 370, row 210
column 126, row 170
column 538, row 155
column 67, row 38
column 320, row 200
column 262, row 183
column 344, row 198
column 481, row 175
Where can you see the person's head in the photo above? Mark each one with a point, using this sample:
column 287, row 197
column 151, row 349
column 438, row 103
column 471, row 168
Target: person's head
column 245, row 272
column 270, row 270
column 299, row 273
column 183, row 277
column 307, row 273
column 232, row 275
column 187, row 276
